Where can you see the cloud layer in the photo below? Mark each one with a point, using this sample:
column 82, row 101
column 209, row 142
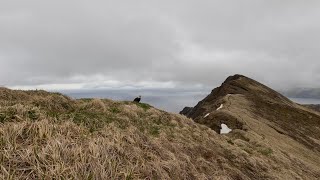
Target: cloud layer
column 164, row 44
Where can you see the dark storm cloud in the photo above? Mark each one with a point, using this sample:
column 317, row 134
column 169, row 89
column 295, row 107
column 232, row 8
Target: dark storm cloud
column 92, row 44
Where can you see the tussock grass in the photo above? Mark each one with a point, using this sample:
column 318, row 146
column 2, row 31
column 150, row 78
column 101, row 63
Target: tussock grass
column 50, row 136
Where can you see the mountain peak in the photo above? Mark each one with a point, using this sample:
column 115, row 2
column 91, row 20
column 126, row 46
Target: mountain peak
column 238, row 85
column 234, row 77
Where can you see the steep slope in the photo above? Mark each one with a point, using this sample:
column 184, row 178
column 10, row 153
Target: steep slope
column 260, row 115
column 50, row 136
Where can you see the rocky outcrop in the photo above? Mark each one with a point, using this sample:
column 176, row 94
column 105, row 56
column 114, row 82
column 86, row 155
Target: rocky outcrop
column 186, row 111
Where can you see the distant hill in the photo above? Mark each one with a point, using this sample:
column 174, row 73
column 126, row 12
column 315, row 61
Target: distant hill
column 51, row 136
column 314, row 107
column 303, row 93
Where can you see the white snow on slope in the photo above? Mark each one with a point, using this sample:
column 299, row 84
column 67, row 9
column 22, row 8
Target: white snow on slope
column 206, row 115
column 224, row 129
column 221, row 106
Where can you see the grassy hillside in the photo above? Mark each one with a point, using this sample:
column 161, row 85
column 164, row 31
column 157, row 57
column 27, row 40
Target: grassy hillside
column 50, row 136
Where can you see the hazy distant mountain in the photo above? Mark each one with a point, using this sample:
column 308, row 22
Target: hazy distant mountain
column 314, row 107
column 303, row 93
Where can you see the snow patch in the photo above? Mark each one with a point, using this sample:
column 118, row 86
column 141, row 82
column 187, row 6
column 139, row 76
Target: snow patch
column 206, row 115
column 221, row 106
column 224, row 129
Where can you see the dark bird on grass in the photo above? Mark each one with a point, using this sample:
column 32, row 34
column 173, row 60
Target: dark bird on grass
column 137, row 99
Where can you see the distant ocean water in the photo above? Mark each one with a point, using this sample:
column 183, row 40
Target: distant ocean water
column 168, row 100
column 305, row 100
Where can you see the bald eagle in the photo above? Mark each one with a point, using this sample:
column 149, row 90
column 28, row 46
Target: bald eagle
column 137, row 99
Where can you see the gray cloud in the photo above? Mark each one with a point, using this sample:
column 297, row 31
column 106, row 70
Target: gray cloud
column 92, row 44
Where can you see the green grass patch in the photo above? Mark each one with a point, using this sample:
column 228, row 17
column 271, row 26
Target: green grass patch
column 154, row 130
column 129, row 176
column 8, row 114
column 2, row 143
column 86, row 99
column 115, row 110
column 53, row 114
column 93, row 121
column 144, row 106
column 33, row 115
column 127, row 102
column 266, row 152
column 2, row 117
column 230, row 142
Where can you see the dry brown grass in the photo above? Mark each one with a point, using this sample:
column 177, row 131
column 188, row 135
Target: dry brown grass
column 50, row 136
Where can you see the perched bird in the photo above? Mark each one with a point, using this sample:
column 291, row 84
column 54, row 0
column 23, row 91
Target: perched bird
column 137, row 99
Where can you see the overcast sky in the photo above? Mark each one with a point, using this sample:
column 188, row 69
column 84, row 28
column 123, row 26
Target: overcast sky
column 77, row 44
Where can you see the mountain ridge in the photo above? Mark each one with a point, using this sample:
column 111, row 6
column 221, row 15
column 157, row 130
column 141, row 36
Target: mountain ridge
column 253, row 108
column 264, row 103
